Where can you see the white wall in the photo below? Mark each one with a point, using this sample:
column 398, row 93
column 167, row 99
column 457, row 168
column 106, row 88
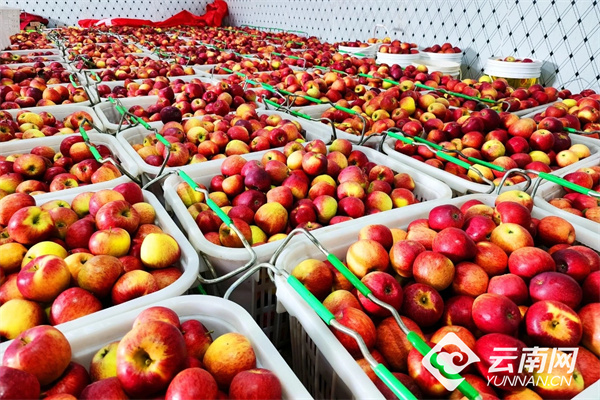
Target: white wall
column 566, row 34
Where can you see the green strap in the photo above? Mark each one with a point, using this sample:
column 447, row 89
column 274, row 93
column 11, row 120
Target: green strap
column 209, row 202
column 464, row 96
column 393, row 383
column 95, row 152
column 569, row 185
column 84, row 134
column 361, row 287
column 312, row 301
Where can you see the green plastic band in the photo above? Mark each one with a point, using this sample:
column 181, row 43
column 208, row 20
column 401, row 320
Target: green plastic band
column 299, row 114
column 84, row 134
column 486, row 164
column 570, row 130
column 272, row 103
column 453, row 160
column 162, row 139
column 95, row 75
column 349, row 111
column 464, row 96
column 187, row 179
column 312, row 301
column 73, row 81
column 95, row 153
column 349, row 52
column 393, row 383
column 361, row 287
column 427, row 142
column 220, row 213
column 567, row 184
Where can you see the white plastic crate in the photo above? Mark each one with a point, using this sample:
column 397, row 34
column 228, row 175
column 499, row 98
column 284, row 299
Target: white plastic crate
column 127, row 138
column 25, row 146
column 402, row 60
column 218, row 315
column 257, row 294
column 462, row 186
column 548, row 191
column 190, row 265
column 323, row 365
column 61, row 112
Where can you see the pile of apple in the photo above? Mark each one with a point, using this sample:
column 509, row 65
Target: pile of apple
column 397, row 47
column 213, row 137
column 312, row 58
column 152, row 70
column 44, row 170
column 125, row 60
column 103, row 249
column 492, row 275
column 29, row 40
column 104, row 50
column 50, row 73
column 582, row 114
column 306, row 187
column 446, row 48
column 221, row 100
column 355, row 44
column 160, row 357
column 153, row 87
column 248, row 66
column 38, row 94
column 515, row 60
column 30, row 124
column 11, row 58
column 580, row 204
column 203, row 56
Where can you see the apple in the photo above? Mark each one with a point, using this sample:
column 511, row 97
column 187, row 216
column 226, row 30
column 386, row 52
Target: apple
column 510, row 237
column 149, row 357
column 422, row 304
column 544, row 377
column 430, row 386
column 405, row 380
column 589, row 366
column 455, row 244
column 402, row 256
column 71, row 304
column 72, row 382
column 255, row 383
column 131, row 285
column 131, row 192
column 494, row 313
column 366, row 255
column 340, row 299
column 12, row 203
column 556, row 286
column 591, row 288
column 554, row 230
column 44, row 278
column 528, row 262
column 31, row 348
column 104, row 362
column 113, row 242
column 392, row 342
column 17, row 384
column 385, row 288
column 159, row 250
column 479, row 228
column 197, row 338
column 228, row 355
column 192, row 383
column 511, row 286
column 109, row 388
column 553, row 324
column 469, row 279
column 589, row 315
column 30, row 225
column 272, row 218
column 99, row 274
column 433, row 269
column 229, row 238
column 360, row 322
column 316, row 276
column 573, row 263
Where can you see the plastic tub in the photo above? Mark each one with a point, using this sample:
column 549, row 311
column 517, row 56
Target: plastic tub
column 127, row 138
column 446, row 67
column 257, row 295
column 518, row 74
column 190, row 264
column 452, row 57
column 322, row 364
column 61, row 112
column 369, row 51
column 218, row 315
column 402, row 60
column 109, row 116
column 462, row 186
column 24, row 147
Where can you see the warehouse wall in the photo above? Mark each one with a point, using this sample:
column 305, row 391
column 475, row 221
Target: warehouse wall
column 564, row 33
